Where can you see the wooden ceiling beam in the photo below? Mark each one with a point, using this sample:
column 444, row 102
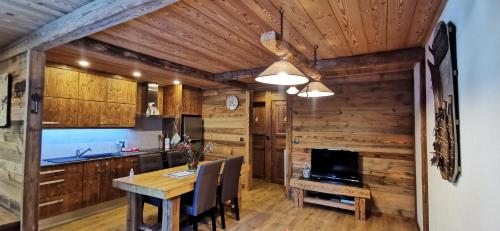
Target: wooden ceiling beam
column 272, row 41
column 93, row 17
column 122, row 53
column 389, row 61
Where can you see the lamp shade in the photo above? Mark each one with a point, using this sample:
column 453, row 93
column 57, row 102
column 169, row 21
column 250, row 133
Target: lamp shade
column 292, row 90
column 282, row 73
column 315, row 89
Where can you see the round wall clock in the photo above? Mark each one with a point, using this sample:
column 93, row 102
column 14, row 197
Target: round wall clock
column 232, row 102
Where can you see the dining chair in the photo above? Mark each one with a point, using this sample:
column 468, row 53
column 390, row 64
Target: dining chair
column 175, row 159
column 228, row 189
column 150, row 163
column 203, row 198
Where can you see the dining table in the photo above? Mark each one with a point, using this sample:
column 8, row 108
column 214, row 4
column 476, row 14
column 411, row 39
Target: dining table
column 160, row 185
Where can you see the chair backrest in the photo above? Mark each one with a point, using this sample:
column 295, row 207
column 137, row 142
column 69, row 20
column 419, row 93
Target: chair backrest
column 205, row 189
column 231, row 177
column 150, row 162
column 175, row 159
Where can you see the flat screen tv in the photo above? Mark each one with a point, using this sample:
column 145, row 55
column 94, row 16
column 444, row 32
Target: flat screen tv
column 335, row 166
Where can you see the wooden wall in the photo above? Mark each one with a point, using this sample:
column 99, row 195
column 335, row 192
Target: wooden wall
column 223, row 127
column 372, row 114
column 11, row 140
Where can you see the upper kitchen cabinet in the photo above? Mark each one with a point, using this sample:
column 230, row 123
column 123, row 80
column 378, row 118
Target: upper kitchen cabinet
column 84, row 100
column 61, row 83
column 180, row 100
column 93, row 87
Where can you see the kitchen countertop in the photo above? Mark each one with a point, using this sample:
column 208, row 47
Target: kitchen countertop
column 44, row 163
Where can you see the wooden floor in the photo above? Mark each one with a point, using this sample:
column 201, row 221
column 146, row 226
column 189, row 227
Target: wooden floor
column 7, row 217
column 264, row 208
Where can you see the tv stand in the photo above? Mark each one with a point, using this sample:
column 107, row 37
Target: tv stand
column 360, row 194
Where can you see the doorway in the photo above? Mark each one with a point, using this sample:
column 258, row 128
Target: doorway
column 269, row 109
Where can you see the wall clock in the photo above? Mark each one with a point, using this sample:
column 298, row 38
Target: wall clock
column 232, row 102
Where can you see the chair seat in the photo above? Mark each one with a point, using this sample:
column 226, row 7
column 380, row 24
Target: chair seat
column 187, row 204
column 153, row 201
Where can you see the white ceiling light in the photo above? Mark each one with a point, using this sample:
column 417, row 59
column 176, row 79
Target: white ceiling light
column 315, row 89
column 136, row 74
column 83, row 63
column 292, row 90
column 177, row 82
column 282, row 73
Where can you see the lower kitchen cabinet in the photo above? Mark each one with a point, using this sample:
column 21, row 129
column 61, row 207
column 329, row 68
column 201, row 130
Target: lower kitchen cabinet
column 69, row 187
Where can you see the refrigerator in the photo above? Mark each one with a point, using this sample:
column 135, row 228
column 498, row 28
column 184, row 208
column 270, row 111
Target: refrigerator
column 192, row 126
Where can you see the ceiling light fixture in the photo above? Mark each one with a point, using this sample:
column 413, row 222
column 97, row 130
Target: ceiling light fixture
column 83, row 63
column 316, row 88
column 292, row 90
column 136, row 74
column 177, row 82
column 282, row 72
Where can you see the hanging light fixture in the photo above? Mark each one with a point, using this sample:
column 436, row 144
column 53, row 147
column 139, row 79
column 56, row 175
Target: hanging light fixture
column 282, row 72
column 315, row 88
column 292, row 90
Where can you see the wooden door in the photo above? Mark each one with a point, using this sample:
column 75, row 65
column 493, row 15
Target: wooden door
column 61, row 83
column 259, row 141
column 91, row 183
column 60, row 112
column 278, row 141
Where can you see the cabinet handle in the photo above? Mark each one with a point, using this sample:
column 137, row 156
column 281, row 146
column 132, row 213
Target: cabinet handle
column 52, row 171
column 52, row 182
column 50, row 123
column 51, row 202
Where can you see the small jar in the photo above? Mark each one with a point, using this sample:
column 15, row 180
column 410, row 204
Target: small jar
column 306, row 172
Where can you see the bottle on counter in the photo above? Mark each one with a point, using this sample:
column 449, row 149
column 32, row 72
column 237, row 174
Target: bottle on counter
column 131, row 174
column 166, row 143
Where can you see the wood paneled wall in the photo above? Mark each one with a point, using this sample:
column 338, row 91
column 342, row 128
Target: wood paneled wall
column 372, row 114
column 11, row 140
column 223, row 127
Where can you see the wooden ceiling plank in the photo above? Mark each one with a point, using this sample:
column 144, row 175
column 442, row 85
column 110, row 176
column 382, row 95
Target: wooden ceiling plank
column 286, row 52
column 297, row 16
column 422, row 20
column 199, row 38
column 88, row 19
column 374, row 16
column 400, row 15
column 326, row 22
column 200, row 33
column 270, row 14
column 349, row 19
column 204, row 49
column 164, row 53
column 147, row 39
column 232, row 36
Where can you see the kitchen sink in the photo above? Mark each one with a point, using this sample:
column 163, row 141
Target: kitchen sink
column 71, row 159
column 97, row 156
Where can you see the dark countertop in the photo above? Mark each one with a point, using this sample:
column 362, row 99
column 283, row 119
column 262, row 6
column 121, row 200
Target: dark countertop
column 44, row 163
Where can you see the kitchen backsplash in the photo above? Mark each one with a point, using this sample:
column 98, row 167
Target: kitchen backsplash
column 64, row 142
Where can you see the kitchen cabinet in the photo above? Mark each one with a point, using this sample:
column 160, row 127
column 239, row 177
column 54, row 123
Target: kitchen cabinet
column 179, row 100
column 63, row 83
column 84, row 100
column 60, row 112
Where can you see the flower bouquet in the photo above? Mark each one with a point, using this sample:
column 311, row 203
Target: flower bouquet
column 194, row 152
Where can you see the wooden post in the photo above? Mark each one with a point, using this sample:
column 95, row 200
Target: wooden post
column 299, row 197
column 360, row 206
column 171, row 211
column 32, row 139
column 134, row 211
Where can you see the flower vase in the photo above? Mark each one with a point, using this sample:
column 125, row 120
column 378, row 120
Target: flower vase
column 193, row 166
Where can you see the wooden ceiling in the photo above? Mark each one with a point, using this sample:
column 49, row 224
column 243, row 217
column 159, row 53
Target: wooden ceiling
column 20, row 17
column 223, row 35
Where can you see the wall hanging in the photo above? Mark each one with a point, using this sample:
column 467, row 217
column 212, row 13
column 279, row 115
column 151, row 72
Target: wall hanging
column 446, row 155
column 4, row 99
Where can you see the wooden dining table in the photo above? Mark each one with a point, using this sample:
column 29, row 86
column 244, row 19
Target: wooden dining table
column 167, row 188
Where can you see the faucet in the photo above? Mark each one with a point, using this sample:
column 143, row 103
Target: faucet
column 79, row 152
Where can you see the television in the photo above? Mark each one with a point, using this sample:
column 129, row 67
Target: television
column 335, row 166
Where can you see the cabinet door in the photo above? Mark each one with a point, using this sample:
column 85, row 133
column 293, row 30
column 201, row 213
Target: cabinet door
column 191, row 102
column 131, row 92
column 127, row 115
column 91, row 183
column 61, row 83
column 122, row 91
column 111, row 115
column 93, row 87
column 90, row 113
column 113, row 168
column 60, row 112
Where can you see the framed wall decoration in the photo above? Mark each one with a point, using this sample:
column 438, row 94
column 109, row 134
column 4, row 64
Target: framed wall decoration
column 5, row 82
column 444, row 79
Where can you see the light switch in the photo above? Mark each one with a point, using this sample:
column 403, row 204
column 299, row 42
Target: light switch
column 296, row 141
column 242, row 138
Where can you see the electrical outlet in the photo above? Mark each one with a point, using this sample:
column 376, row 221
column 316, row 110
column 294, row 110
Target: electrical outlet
column 242, row 138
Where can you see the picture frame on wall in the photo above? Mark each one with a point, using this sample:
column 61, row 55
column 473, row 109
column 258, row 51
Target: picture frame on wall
column 5, row 82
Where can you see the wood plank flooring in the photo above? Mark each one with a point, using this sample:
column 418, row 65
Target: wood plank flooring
column 264, row 208
column 6, row 217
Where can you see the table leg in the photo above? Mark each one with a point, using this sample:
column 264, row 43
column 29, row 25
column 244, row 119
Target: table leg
column 299, row 197
column 171, row 210
column 134, row 211
column 360, row 206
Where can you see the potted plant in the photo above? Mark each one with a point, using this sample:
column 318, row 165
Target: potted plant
column 194, row 152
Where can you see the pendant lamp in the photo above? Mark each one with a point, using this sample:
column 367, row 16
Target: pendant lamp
column 292, row 90
column 282, row 73
column 315, row 89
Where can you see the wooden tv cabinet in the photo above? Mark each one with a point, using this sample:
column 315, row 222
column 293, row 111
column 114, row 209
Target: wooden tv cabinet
column 360, row 194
